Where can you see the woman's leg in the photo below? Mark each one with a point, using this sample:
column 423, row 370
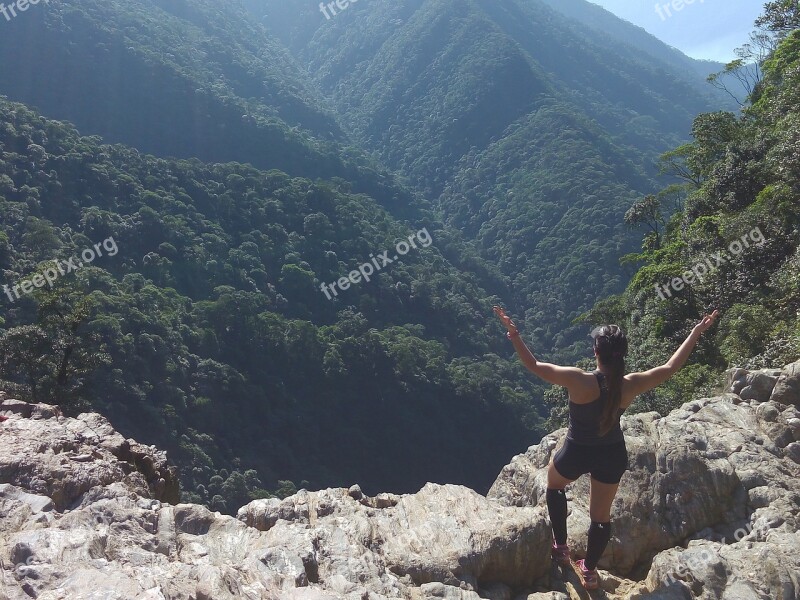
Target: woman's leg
column 557, row 503
column 600, row 499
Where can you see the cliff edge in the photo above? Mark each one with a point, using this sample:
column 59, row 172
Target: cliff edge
column 709, row 509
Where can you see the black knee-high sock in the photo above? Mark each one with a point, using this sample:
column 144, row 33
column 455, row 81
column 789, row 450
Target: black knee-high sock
column 599, row 535
column 557, row 507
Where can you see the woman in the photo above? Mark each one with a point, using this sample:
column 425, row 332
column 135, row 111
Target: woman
column 595, row 443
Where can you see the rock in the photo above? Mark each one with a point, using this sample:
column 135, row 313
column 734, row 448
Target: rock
column 742, row 570
column 731, row 450
column 709, row 509
column 735, row 380
column 64, row 458
column 793, row 451
column 756, row 385
column 386, row 500
column 448, row 534
column 787, row 389
column 9, row 406
column 448, row 592
column 37, row 504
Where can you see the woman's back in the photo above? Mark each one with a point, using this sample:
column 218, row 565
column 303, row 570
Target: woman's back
column 585, row 418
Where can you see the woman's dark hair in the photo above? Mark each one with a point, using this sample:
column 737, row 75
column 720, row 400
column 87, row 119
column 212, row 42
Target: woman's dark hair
column 611, row 346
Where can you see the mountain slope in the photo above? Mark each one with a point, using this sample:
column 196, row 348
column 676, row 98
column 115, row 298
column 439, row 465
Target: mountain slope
column 203, row 327
column 183, row 78
column 477, row 102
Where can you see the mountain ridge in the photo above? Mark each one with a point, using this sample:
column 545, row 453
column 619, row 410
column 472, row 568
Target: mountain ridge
column 432, row 122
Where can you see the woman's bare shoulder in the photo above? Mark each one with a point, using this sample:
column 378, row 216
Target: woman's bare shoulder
column 587, row 390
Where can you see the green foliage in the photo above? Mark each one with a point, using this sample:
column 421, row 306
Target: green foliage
column 781, row 16
column 207, row 333
column 690, row 383
column 534, row 154
column 743, row 332
column 747, row 185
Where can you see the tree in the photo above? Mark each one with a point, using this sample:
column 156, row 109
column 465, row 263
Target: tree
column 51, row 360
column 26, row 360
column 746, row 68
column 64, row 313
column 647, row 212
column 780, row 16
column 713, row 133
column 679, row 164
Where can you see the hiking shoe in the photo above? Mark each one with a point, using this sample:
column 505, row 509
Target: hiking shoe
column 560, row 553
column 589, row 578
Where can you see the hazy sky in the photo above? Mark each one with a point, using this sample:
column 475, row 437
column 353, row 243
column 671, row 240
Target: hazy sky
column 704, row 29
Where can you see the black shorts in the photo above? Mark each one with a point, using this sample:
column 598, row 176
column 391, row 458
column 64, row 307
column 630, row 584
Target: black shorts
column 605, row 463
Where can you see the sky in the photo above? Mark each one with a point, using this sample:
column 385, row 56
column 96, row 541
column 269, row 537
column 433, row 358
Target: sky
column 709, row 29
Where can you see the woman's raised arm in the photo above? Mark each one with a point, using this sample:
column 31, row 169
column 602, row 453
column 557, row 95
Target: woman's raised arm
column 555, row 374
column 647, row 380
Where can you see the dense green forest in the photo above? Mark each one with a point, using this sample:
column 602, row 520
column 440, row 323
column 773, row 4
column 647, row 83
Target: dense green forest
column 183, row 78
column 208, row 334
column 220, row 161
column 739, row 173
column 531, row 133
column 207, row 331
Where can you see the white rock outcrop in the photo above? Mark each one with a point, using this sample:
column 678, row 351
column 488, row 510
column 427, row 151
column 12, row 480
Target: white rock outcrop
column 710, row 508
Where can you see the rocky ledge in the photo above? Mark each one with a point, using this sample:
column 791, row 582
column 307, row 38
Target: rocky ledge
column 709, row 509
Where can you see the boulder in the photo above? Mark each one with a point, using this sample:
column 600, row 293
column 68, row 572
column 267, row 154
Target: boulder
column 763, row 566
column 63, row 458
column 787, row 388
column 447, row 534
column 752, row 385
column 703, row 466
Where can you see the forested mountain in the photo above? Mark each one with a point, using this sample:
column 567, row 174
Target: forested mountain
column 183, row 78
column 202, row 326
column 236, row 161
column 532, row 132
column 734, row 245
column 209, row 333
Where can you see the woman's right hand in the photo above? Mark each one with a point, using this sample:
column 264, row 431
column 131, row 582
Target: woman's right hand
column 506, row 321
column 706, row 322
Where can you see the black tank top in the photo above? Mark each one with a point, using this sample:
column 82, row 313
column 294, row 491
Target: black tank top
column 584, row 420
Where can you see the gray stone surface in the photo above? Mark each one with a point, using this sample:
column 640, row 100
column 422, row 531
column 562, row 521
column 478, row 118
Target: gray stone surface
column 709, row 509
column 787, row 388
column 711, row 463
